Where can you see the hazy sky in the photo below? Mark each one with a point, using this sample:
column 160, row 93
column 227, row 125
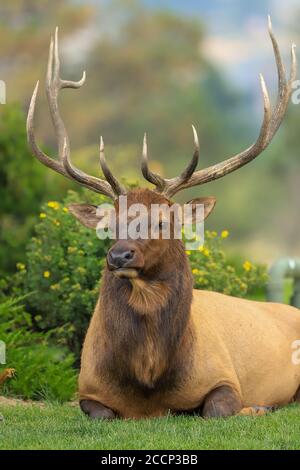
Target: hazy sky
column 236, row 35
column 237, row 32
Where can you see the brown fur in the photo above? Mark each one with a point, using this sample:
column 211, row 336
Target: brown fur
column 148, row 297
column 146, row 341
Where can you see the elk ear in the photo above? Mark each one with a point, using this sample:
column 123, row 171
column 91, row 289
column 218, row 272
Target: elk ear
column 86, row 214
column 208, row 203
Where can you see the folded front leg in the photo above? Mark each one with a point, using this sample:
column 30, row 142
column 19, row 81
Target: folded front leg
column 95, row 410
column 221, row 402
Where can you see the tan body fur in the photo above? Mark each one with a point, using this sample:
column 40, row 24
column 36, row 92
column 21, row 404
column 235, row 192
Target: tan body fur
column 244, row 344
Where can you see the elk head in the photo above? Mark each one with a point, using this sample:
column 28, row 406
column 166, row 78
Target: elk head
column 128, row 257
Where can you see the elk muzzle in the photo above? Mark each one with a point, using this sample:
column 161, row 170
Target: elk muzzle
column 125, row 259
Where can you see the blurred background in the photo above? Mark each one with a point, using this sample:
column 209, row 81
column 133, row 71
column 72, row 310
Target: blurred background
column 155, row 66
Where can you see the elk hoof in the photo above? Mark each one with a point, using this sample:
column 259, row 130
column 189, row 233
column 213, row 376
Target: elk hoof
column 95, row 410
column 221, row 403
column 256, row 410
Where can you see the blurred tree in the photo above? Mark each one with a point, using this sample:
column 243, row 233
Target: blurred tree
column 24, row 184
column 25, row 30
column 21, row 187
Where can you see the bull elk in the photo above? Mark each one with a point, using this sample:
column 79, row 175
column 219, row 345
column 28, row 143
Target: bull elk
column 154, row 344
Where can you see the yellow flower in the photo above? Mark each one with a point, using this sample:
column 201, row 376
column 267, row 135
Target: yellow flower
column 214, row 234
column 201, row 248
column 56, row 222
column 212, row 266
column 65, row 209
column 195, row 271
column 42, row 215
column 206, row 252
column 55, row 287
column 46, row 274
column 81, row 270
column 21, row 266
column 53, row 204
column 224, row 234
column 188, row 252
column 247, row 266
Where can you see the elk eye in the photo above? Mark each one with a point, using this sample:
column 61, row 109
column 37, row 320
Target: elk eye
column 162, row 225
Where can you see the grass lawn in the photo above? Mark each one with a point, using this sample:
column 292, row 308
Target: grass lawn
column 65, row 427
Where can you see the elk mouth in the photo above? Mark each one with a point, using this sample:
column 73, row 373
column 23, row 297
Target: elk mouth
column 128, row 273
column 125, row 260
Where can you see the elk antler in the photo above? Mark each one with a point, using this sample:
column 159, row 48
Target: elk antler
column 111, row 188
column 271, row 123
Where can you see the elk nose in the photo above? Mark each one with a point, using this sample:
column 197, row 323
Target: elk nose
column 119, row 258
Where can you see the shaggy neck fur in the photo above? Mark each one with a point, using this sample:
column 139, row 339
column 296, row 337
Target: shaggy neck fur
column 145, row 321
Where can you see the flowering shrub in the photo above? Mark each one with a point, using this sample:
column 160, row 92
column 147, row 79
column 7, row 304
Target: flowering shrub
column 213, row 271
column 62, row 272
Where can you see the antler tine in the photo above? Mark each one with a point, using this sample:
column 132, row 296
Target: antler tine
column 114, row 183
column 63, row 165
column 153, row 178
column 187, row 173
column 279, row 63
column 102, row 187
column 42, row 157
column 168, row 187
column 271, row 123
column 175, row 183
column 54, row 83
column 64, row 83
column 285, row 86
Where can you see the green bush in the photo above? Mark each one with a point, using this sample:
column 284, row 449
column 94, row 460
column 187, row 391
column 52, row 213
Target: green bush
column 62, row 272
column 43, row 369
column 213, row 271
column 24, row 184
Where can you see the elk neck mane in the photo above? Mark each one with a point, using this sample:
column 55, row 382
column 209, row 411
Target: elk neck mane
column 146, row 321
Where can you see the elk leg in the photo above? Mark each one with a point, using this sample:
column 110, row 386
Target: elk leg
column 95, row 410
column 256, row 410
column 221, row 402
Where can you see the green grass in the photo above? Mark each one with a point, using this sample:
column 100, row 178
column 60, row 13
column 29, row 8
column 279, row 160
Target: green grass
column 64, row 427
